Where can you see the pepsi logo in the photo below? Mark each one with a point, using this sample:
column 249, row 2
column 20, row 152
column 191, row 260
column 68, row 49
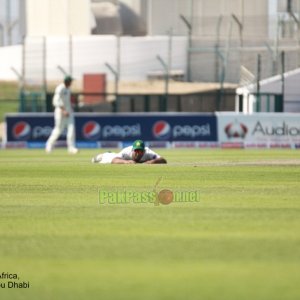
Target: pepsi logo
column 91, row 130
column 21, row 130
column 236, row 130
column 161, row 130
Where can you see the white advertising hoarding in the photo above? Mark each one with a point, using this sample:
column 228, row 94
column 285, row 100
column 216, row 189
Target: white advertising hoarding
column 261, row 130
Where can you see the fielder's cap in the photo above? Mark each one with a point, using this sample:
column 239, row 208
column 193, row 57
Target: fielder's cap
column 68, row 78
column 138, row 145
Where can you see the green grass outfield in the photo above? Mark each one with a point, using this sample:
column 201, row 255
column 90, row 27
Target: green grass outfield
column 240, row 241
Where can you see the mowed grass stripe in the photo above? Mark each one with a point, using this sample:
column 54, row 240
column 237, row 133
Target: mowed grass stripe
column 241, row 241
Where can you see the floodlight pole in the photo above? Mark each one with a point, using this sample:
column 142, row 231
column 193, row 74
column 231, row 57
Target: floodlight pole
column 217, row 47
column 282, row 75
column 273, row 55
column 241, row 27
column 258, row 83
column 23, row 61
column 221, row 78
column 297, row 21
column 10, row 27
column 170, row 50
column 116, row 75
column 189, row 26
column 165, row 66
column 118, row 58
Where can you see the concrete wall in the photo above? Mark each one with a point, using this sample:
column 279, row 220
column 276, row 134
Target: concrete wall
column 89, row 55
column 204, row 16
column 10, row 57
column 12, row 25
column 58, row 17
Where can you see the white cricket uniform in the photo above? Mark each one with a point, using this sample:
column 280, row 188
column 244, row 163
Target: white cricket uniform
column 106, row 158
column 62, row 98
column 126, row 154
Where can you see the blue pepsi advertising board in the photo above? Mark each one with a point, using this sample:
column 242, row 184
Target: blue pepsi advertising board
column 117, row 127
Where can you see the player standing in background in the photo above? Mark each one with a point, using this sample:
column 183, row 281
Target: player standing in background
column 63, row 116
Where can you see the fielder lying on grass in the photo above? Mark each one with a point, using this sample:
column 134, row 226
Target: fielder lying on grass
column 137, row 153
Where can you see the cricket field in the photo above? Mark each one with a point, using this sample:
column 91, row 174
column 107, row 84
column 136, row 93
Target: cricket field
column 65, row 234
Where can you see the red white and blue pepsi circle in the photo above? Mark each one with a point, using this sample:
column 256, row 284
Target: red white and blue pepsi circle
column 21, row 131
column 161, row 130
column 91, row 130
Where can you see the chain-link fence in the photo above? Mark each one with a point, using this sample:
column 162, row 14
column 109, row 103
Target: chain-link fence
column 227, row 34
column 208, row 41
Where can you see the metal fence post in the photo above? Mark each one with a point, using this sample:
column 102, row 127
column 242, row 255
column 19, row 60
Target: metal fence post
column 282, row 74
column 258, row 82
